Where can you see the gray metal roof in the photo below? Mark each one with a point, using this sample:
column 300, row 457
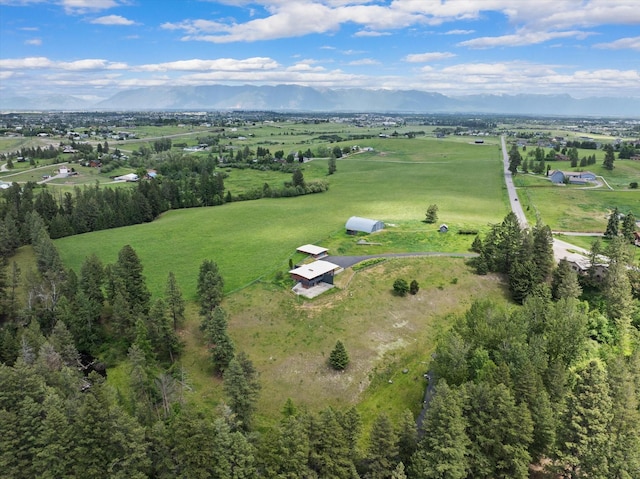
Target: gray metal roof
column 366, row 225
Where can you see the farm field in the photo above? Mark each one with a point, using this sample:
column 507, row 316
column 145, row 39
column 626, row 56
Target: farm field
column 575, row 208
column 251, row 240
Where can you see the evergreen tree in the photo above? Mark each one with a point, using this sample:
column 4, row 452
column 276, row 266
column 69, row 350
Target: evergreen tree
column 629, row 227
column 444, row 450
column 565, row 282
column 242, row 387
column 210, row 286
column 500, row 432
column 338, row 358
column 130, row 282
column 174, row 300
column 330, row 454
column 414, row 287
column 432, row 214
column 332, row 165
column 624, row 458
column 220, row 345
column 92, row 277
column 382, row 455
column 585, row 444
column 542, row 253
column 609, row 157
column 297, row 178
column 407, row 437
column 613, row 224
column 400, row 287
column 284, row 451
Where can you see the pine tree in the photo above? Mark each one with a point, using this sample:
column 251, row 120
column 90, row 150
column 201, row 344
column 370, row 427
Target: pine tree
column 500, row 432
column 565, row 282
column 444, row 450
column 432, row 214
column 542, row 253
column 332, row 165
column 174, row 300
column 242, row 388
column 92, row 277
column 383, row 450
column 339, row 359
column 624, row 458
column 613, row 224
column 210, row 286
column 220, row 345
column 609, row 157
column 330, row 454
column 584, row 448
column 629, row 227
column 414, row 287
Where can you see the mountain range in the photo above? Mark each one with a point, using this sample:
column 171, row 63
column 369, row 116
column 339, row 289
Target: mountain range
column 294, row 98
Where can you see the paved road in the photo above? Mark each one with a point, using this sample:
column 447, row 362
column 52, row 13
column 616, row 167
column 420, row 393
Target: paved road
column 516, row 207
column 347, row 261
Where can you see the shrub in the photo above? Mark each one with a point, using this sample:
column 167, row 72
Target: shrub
column 414, row 287
column 633, row 185
column 400, row 287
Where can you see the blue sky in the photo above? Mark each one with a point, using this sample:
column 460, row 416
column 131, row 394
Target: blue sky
column 95, row 48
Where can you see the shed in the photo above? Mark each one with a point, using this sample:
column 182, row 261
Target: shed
column 356, row 224
column 443, row 228
column 312, row 250
column 311, row 274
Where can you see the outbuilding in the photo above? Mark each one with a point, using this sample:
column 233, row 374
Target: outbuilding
column 312, row 250
column 311, row 274
column 355, row 224
column 443, row 228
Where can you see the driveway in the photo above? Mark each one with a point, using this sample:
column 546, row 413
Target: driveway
column 516, row 207
column 347, row 261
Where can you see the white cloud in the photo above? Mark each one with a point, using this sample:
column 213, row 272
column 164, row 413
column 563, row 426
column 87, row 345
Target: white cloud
column 371, row 33
column 427, row 57
column 112, row 20
column 83, row 6
column 43, row 63
column 220, row 64
column 630, row 43
column 521, row 38
column 460, row 32
column 364, row 62
column 33, row 41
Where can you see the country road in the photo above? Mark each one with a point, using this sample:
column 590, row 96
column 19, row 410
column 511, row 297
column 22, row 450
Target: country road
column 516, row 207
column 561, row 249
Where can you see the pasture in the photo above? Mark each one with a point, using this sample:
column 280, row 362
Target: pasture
column 252, row 240
column 576, row 208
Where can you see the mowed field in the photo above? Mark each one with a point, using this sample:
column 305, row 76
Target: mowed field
column 289, row 338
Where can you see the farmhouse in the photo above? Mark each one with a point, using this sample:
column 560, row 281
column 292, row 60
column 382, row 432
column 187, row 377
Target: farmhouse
column 572, row 177
column 356, row 224
column 311, row 274
column 312, row 250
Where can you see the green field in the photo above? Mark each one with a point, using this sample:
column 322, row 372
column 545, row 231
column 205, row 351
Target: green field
column 575, row 208
column 251, row 240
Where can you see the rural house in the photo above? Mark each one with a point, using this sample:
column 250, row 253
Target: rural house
column 311, row 274
column 356, row 224
column 572, row 177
